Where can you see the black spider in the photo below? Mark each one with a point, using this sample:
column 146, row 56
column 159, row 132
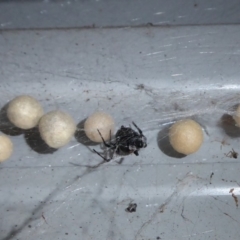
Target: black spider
column 126, row 141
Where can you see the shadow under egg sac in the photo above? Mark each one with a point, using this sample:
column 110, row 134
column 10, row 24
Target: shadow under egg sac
column 36, row 143
column 228, row 124
column 165, row 145
column 6, row 126
column 81, row 136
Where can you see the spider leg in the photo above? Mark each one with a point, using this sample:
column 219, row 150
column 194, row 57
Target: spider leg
column 139, row 130
column 136, row 153
column 105, row 159
column 233, row 151
column 106, row 144
column 227, row 154
column 110, row 137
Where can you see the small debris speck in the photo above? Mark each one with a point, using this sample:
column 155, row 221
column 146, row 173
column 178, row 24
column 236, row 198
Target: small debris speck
column 211, row 177
column 235, row 199
column 132, row 207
